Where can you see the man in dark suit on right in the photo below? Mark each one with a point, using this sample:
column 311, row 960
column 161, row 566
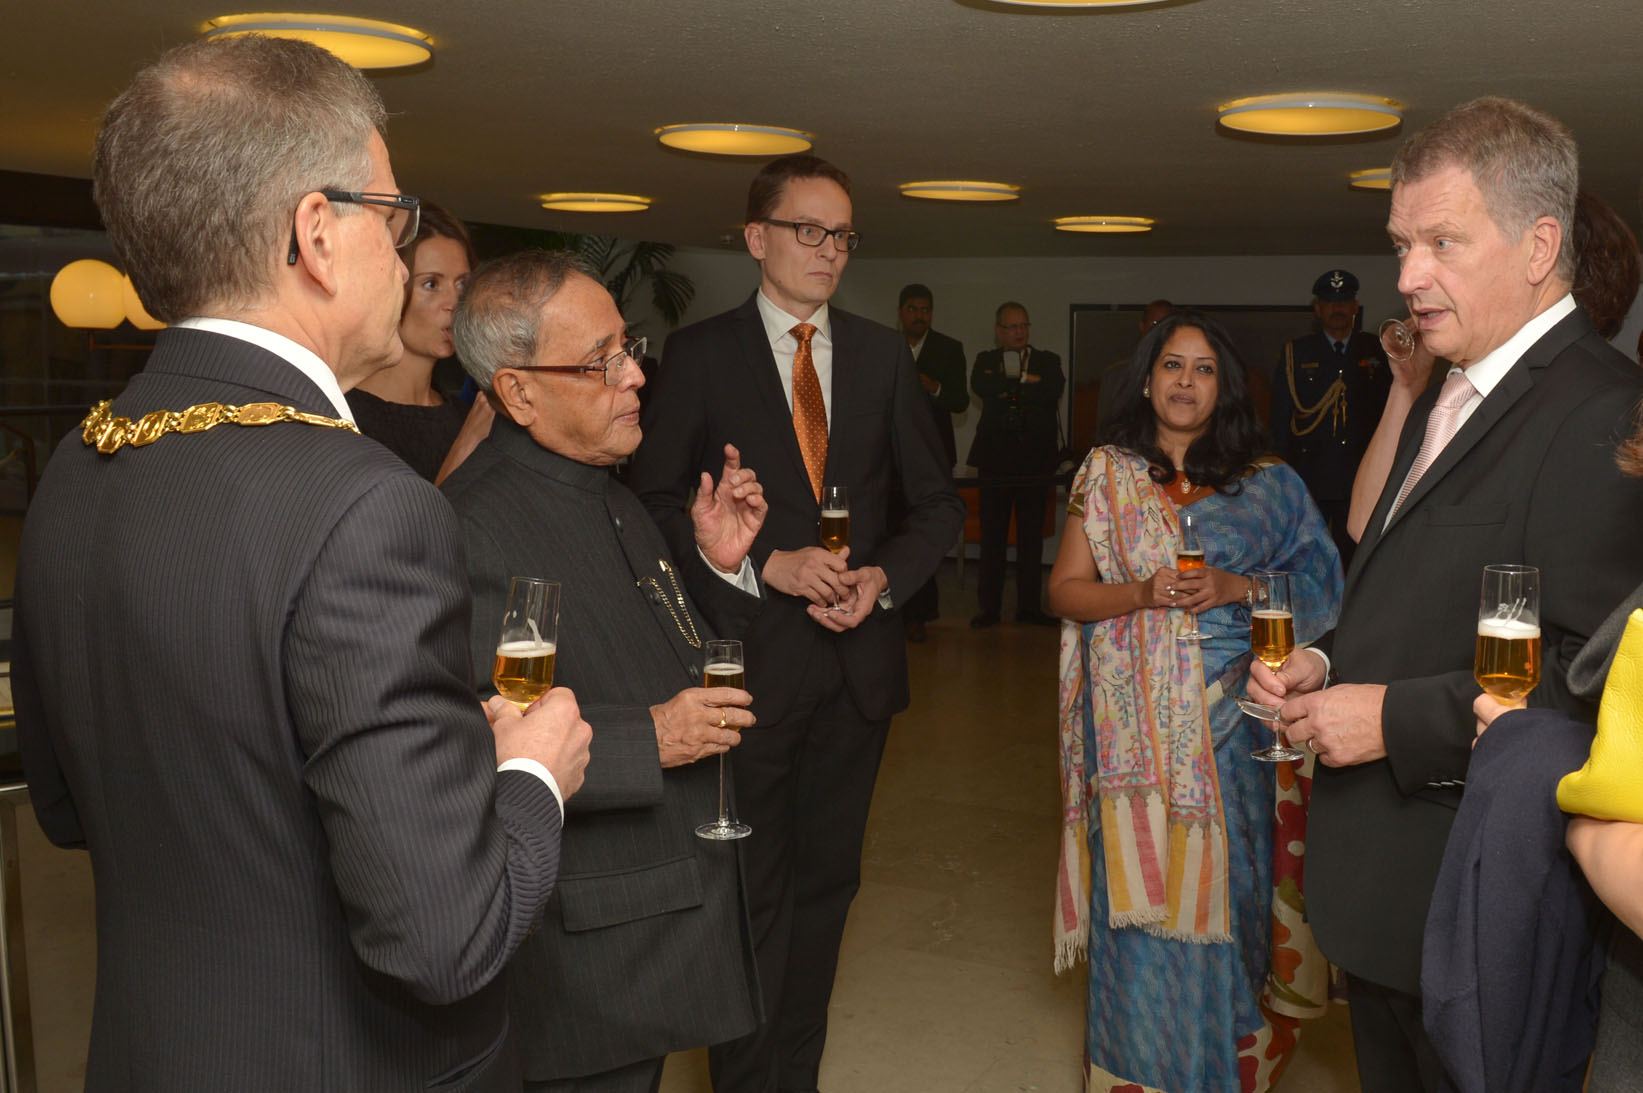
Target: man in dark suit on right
column 1017, row 444
column 940, row 361
column 1327, row 397
column 1512, row 461
column 241, row 648
column 812, row 397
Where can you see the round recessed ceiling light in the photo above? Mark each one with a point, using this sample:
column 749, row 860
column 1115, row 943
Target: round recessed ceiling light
column 363, row 43
column 595, row 203
column 959, row 189
column 1372, row 178
column 727, row 139
column 1110, row 224
column 1311, row 114
column 1079, row 3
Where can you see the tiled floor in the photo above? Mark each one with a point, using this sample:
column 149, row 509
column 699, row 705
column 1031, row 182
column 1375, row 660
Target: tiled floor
column 945, row 984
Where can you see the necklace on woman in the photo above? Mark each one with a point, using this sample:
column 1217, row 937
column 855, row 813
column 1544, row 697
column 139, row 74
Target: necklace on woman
column 1184, row 486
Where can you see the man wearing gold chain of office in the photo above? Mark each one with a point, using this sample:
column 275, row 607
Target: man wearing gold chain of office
column 1327, row 398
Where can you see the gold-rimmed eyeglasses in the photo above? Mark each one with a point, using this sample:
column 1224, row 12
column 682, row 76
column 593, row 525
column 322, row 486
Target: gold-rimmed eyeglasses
column 614, row 367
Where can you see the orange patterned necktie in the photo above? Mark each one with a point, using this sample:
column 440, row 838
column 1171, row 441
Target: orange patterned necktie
column 809, row 411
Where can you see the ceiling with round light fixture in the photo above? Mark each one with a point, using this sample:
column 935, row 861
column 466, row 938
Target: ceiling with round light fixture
column 363, row 43
column 1111, row 108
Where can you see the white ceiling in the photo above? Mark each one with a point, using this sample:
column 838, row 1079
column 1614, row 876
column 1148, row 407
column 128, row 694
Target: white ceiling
column 1095, row 112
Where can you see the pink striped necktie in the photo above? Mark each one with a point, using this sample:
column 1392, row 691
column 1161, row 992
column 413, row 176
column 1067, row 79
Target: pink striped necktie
column 1440, row 429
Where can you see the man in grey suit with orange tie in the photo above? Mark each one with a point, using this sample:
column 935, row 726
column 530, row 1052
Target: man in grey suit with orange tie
column 643, row 949
column 812, row 397
column 241, row 649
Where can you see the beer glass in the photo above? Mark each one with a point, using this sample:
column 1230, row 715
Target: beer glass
column 523, row 670
column 722, row 666
column 1272, row 639
column 1188, row 557
column 1398, row 338
column 1507, row 664
column 835, row 518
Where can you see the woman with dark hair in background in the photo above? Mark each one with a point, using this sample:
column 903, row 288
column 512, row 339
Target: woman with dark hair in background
column 399, row 407
column 1180, row 857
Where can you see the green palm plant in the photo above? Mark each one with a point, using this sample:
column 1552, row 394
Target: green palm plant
column 625, row 268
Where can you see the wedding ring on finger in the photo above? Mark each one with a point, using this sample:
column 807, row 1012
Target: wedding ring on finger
column 721, row 721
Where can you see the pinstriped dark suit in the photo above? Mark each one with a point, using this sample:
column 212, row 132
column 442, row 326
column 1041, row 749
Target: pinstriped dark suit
column 242, row 685
column 643, row 949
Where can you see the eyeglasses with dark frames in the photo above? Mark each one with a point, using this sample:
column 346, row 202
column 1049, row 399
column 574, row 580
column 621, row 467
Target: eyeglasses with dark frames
column 404, row 215
column 614, row 366
column 813, row 235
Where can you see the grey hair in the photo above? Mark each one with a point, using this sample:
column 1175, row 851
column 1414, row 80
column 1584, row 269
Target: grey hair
column 498, row 321
column 200, row 163
column 1523, row 160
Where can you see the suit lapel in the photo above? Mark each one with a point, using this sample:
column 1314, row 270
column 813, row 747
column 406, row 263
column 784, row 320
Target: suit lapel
column 1517, row 382
column 848, row 391
column 766, row 380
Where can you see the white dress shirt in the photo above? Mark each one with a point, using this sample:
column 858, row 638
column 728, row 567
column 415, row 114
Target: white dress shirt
column 778, row 329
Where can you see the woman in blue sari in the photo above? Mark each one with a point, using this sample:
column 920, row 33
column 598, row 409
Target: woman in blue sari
column 1181, row 855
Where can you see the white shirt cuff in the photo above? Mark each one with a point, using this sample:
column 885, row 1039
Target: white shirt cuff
column 531, row 766
column 1323, row 656
column 744, row 578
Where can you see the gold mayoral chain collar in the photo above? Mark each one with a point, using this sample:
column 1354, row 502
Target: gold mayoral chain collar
column 110, row 433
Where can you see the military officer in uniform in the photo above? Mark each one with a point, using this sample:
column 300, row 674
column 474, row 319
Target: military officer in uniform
column 1327, row 397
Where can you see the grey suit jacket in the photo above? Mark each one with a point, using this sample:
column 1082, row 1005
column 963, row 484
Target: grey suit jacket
column 1529, row 478
column 644, row 948
column 242, row 684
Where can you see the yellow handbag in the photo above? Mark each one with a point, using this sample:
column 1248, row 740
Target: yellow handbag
column 1610, row 785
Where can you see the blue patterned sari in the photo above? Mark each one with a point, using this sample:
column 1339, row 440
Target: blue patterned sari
column 1175, row 1015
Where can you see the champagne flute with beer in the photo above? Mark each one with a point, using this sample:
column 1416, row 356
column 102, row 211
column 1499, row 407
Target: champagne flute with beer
column 835, row 519
column 1188, row 557
column 722, row 666
column 523, row 670
column 1272, row 639
column 1507, row 664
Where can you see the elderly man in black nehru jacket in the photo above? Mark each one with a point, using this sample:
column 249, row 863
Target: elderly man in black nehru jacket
column 814, row 398
column 241, row 650
column 1017, row 442
column 1510, row 460
column 940, row 361
column 643, row 950
column 1327, row 398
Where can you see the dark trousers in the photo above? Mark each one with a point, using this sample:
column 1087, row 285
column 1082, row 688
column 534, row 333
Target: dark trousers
column 1394, row 1054
column 644, row 1076
column 804, row 784
column 997, row 503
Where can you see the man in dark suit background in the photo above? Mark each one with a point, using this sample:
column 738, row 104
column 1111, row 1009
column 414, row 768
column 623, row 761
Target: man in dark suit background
column 940, row 361
column 1327, row 397
column 642, row 950
column 241, row 648
column 1511, row 461
column 1017, row 440
column 811, row 396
